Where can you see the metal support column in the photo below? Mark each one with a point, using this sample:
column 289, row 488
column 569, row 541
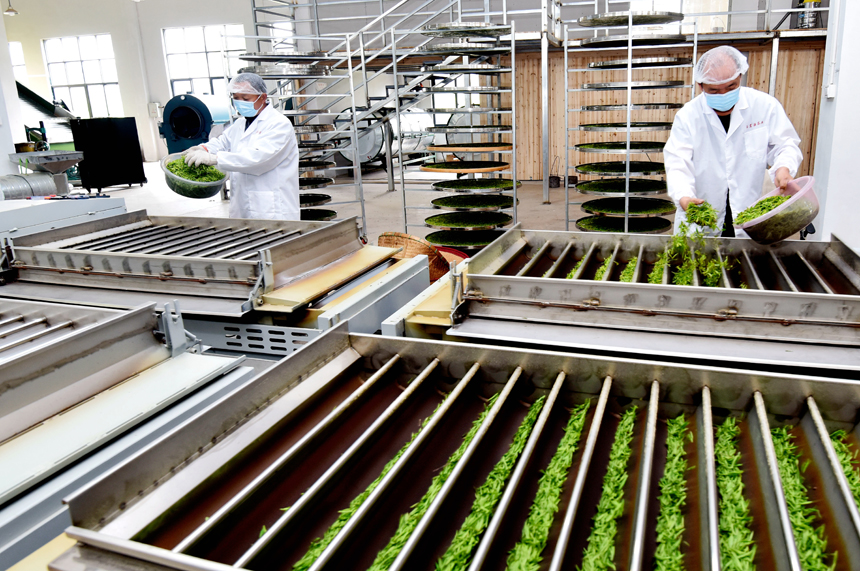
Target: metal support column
column 544, row 84
column 774, row 57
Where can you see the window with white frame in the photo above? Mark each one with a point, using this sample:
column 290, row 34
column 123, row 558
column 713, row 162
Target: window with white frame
column 16, row 51
column 196, row 57
column 82, row 73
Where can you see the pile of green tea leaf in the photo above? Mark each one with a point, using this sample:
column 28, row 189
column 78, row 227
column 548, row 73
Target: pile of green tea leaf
column 669, row 555
column 477, row 184
column 702, row 214
column 616, row 224
column 627, row 272
column 616, row 185
column 848, row 461
column 465, row 165
column 575, row 268
column 760, row 208
column 474, row 201
column 737, row 544
column 620, row 167
column 201, row 173
column 469, row 220
column 460, row 239
column 635, row 206
column 654, row 146
column 601, row 271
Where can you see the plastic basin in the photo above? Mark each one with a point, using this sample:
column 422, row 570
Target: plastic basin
column 190, row 188
column 788, row 218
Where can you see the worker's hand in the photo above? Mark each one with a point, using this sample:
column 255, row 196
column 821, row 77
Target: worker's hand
column 782, row 178
column 201, row 157
column 192, row 149
column 687, row 201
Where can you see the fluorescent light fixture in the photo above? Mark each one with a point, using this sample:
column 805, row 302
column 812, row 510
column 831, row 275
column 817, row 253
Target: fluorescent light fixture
column 10, row 11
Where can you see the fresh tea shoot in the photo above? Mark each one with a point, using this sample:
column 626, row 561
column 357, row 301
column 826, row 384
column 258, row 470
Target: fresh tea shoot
column 627, row 272
column 601, row 271
column 702, row 214
column 201, row 173
column 669, row 555
column 737, row 544
column 848, row 461
column 760, row 208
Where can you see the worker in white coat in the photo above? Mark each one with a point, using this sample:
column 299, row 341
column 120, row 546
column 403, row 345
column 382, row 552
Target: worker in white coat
column 723, row 141
column 259, row 151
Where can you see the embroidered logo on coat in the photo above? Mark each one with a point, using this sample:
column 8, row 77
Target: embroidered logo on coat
column 756, row 124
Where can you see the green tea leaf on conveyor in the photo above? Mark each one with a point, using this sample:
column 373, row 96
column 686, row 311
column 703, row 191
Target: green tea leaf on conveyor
column 702, row 214
column 744, row 285
column 669, row 555
column 627, row 272
column 263, row 531
column 459, row 553
column 737, row 545
column 571, row 273
column 848, row 461
column 599, row 555
column 760, row 208
column 711, row 270
column 601, row 271
column 201, row 173
column 656, row 275
column 809, row 539
column 409, row 521
column 527, row 554
column 319, row 544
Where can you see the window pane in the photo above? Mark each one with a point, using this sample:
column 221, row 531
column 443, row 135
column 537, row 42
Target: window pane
column 197, row 66
column 236, row 43
column 213, row 37
column 201, row 86
column 105, row 46
column 220, row 87
column 216, row 65
column 177, row 66
column 97, row 100
column 16, row 51
column 62, row 94
column 20, row 72
column 54, row 50
column 174, row 41
column 194, row 40
column 70, row 49
column 57, row 73
column 108, row 70
column 181, row 87
column 114, row 101
column 74, row 72
column 79, row 102
column 89, row 47
column 92, row 72
column 234, row 65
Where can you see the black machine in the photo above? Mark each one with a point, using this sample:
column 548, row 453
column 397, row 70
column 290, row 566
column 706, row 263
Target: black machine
column 112, row 150
column 188, row 120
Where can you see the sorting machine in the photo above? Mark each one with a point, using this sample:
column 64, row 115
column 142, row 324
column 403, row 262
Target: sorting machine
column 250, row 482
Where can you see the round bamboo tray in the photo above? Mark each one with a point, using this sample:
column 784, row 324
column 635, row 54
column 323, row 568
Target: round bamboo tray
column 623, row 19
column 643, row 40
column 615, row 187
column 619, row 85
column 476, row 186
column 317, row 214
column 465, row 29
column 467, row 241
column 616, row 224
column 470, row 147
column 620, row 147
column 634, row 107
column 310, row 166
column 616, row 168
column 638, row 207
column 468, row 221
column 473, row 202
column 635, row 127
column 642, row 62
column 308, row 183
column 306, row 200
column 466, row 166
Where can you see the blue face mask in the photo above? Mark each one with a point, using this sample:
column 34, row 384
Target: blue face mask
column 723, row 101
column 245, row 108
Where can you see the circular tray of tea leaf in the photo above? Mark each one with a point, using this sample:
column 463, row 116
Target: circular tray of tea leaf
column 309, row 183
column 641, row 62
column 620, row 147
column 479, row 89
column 463, row 240
column 623, row 19
column 466, row 48
column 469, row 110
column 654, row 225
column 642, row 40
column 635, row 107
column 308, row 129
column 637, row 206
column 619, row 168
column 317, row 214
column 615, row 187
column 464, row 68
column 635, row 127
column 471, row 147
column 618, row 85
column 445, row 129
column 288, row 71
column 468, row 220
column 313, row 199
column 308, row 166
column 287, row 57
column 465, row 29
column 474, row 202
column 308, row 147
column 476, row 185
column 465, row 166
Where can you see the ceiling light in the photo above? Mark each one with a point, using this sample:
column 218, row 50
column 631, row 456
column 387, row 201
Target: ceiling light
column 10, row 11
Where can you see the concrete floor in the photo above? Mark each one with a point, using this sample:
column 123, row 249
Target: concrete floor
column 384, row 209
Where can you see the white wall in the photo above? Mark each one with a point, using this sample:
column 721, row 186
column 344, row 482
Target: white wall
column 11, row 126
column 836, row 157
column 135, row 29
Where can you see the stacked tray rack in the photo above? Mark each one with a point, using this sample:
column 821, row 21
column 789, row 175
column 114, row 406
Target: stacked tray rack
column 474, row 136
column 628, row 202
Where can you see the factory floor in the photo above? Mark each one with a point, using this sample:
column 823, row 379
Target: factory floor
column 384, row 209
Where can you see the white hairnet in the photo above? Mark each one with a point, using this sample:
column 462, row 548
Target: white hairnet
column 248, row 83
column 720, row 65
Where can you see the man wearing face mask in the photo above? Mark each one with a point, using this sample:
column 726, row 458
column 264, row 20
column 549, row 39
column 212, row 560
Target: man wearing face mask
column 724, row 139
column 261, row 153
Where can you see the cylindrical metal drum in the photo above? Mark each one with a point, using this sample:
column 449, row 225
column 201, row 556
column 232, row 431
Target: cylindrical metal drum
column 20, row 186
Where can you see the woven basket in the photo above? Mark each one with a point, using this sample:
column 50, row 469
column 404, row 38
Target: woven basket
column 415, row 246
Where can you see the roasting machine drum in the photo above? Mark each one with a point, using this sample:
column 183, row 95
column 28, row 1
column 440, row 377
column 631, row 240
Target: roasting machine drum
column 361, row 430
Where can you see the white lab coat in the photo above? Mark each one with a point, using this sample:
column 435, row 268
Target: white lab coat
column 263, row 162
column 702, row 160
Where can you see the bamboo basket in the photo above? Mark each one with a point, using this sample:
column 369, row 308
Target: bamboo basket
column 414, row 246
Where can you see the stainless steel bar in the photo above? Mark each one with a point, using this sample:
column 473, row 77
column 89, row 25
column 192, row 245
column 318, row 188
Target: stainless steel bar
column 566, row 135
column 815, row 273
column 708, row 499
column 38, row 334
column 774, row 59
column 666, row 273
column 727, row 283
column 511, row 255
column 144, row 239
column 228, row 246
column 782, row 271
column 269, row 239
column 637, row 270
column 23, row 326
column 576, row 496
column 311, row 493
column 196, row 249
column 306, row 440
column 781, row 535
column 560, row 260
column 544, row 50
column 194, row 243
column 535, row 259
column 513, row 483
column 8, row 320
column 752, row 271
column 155, row 245
column 362, row 511
column 585, row 260
column 643, row 494
column 471, row 450
column 97, row 242
column 612, row 262
column 697, row 282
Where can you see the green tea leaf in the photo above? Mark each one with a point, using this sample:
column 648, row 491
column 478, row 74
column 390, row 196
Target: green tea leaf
column 737, row 544
column 669, row 555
